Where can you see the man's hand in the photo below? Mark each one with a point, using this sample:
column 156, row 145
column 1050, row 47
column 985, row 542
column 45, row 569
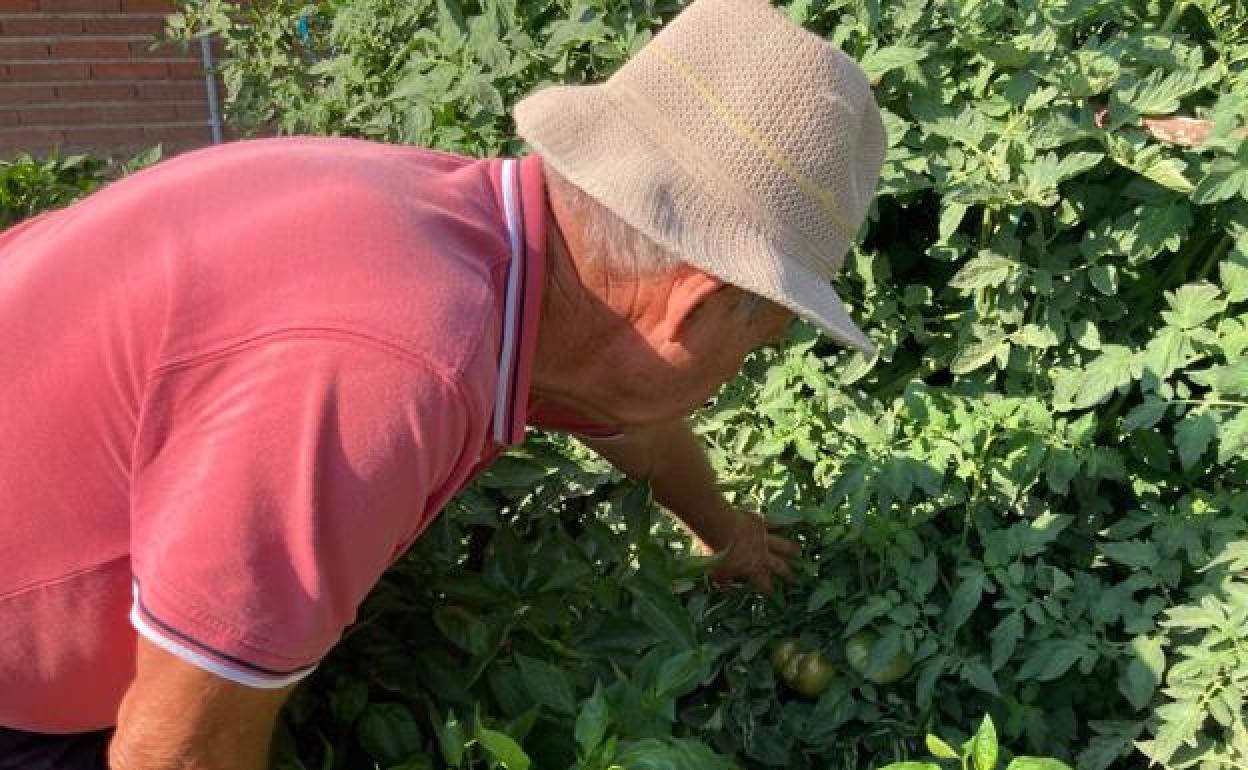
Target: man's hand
column 672, row 459
column 179, row 717
column 755, row 555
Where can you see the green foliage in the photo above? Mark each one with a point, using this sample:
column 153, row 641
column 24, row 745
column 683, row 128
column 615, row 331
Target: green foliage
column 1037, row 490
column 29, row 185
column 431, row 72
column 980, row 752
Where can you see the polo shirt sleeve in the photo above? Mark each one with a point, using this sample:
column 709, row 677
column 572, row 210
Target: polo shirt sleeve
column 274, row 484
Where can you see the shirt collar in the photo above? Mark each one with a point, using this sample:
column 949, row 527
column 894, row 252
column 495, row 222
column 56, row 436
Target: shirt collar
column 523, row 194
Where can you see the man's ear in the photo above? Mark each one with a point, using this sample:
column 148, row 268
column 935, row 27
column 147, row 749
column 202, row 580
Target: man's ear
column 691, row 288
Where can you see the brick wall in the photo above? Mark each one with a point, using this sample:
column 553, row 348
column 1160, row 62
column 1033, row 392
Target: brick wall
column 78, row 75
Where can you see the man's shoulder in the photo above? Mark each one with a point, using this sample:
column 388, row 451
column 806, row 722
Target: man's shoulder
column 279, row 149
column 400, row 243
column 337, row 178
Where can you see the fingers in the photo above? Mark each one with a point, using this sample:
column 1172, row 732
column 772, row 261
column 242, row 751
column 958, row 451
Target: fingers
column 783, row 546
column 781, row 567
column 757, row 557
column 759, row 576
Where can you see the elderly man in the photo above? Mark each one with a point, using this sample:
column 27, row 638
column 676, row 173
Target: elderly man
column 239, row 384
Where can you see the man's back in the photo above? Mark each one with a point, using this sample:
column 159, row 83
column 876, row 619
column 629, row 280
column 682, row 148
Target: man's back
column 188, row 289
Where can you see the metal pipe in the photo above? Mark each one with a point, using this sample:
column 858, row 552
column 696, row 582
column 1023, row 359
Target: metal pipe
column 205, row 55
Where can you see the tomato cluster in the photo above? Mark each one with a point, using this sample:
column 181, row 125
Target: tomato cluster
column 807, row 672
column 810, row 672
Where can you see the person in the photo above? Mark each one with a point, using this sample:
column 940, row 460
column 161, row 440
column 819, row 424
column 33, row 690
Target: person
column 240, row 383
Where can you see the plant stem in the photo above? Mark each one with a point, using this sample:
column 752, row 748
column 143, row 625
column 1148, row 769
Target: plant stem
column 1208, row 402
column 1105, row 421
column 1215, row 256
column 493, row 653
column 889, row 389
column 1175, row 274
column 1173, row 17
column 985, row 227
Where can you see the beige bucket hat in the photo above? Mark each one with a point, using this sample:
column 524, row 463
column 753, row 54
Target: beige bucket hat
column 746, row 145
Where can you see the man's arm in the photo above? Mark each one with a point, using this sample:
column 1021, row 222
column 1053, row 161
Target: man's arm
column 673, row 460
column 176, row 716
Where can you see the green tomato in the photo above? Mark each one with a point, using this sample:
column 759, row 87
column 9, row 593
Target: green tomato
column 791, row 668
column 814, row 674
column 782, row 652
column 858, row 651
column 895, row 670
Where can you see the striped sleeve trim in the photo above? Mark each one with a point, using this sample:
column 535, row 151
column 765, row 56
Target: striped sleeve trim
column 205, row 657
column 598, row 436
column 505, row 430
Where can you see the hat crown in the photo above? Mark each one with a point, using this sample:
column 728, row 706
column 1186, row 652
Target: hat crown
column 775, row 119
column 745, row 145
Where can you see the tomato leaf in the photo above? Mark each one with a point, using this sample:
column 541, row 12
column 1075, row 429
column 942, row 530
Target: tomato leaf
column 503, row 749
column 938, row 748
column 984, row 747
column 591, row 722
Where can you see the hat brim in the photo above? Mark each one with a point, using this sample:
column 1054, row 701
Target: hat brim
column 592, row 141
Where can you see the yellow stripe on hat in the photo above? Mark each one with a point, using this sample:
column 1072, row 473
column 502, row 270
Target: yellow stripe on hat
column 825, row 197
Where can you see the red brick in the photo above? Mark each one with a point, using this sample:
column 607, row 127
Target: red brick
column 103, row 135
column 141, row 49
column 172, row 91
column 180, row 133
column 142, row 113
column 148, row 6
column 38, row 72
column 36, row 141
column 12, row 50
column 57, row 116
column 106, row 150
column 8, row 117
column 127, row 24
column 18, row 5
column 7, row 153
column 79, row 5
column 169, row 149
column 94, row 114
column 87, row 48
column 25, row 94
column 192, row 110
column 132, row 70
column 188, row 70
column 109, row 149
column 39, row 25
column 95, row 92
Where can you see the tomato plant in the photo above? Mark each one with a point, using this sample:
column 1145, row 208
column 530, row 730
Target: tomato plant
column 30, row 185
column 1035, row 497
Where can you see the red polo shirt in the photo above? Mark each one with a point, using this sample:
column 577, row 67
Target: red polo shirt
column 236, row 387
